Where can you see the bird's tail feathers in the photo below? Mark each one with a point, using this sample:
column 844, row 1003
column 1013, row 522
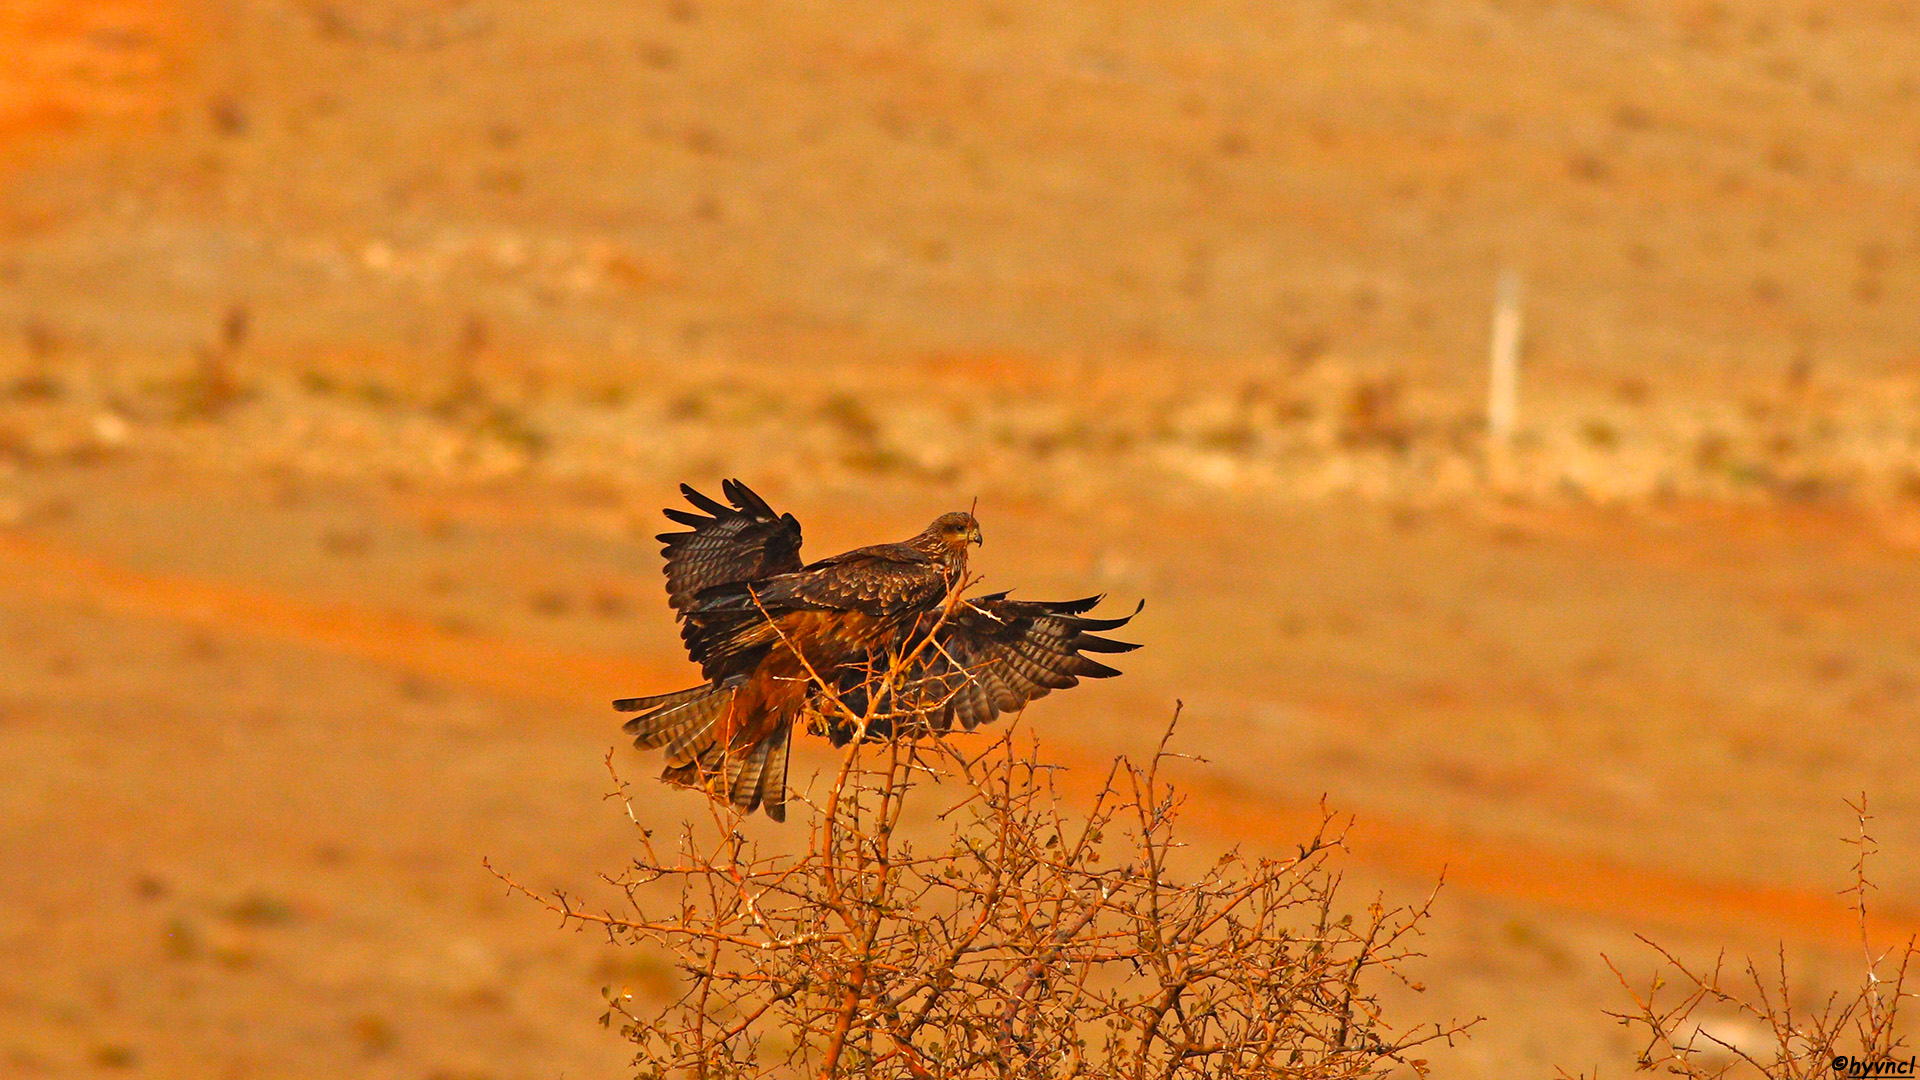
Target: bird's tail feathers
column 760, row 776
column 682, row 721
column 686, row 723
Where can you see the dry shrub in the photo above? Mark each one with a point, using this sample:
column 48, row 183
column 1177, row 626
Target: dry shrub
column 1790, row 1038
column 1014, row 938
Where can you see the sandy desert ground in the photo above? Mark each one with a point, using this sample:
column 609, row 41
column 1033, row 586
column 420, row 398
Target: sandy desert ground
column 349, row 350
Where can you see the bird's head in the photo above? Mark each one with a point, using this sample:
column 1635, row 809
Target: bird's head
column 956, row 531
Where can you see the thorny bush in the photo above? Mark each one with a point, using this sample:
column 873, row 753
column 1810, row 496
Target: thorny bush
column 1706, row 1023
column 1009, row 937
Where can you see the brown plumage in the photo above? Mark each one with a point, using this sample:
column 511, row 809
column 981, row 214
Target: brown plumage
column 777, row 639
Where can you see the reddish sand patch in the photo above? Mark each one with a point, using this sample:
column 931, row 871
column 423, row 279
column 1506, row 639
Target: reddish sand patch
column 69, row 64
column 488, row 664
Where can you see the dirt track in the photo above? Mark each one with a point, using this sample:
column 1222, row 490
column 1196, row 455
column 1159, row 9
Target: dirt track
column 503, row 667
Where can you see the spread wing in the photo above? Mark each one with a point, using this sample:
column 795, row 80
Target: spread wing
column 728, row 544
column 992, row 655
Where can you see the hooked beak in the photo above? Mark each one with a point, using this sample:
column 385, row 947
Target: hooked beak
column 975, row 536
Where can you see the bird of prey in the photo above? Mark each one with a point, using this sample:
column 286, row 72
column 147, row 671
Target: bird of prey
column 875, row 643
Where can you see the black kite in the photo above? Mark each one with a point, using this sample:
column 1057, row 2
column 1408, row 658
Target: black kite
column 776, row 638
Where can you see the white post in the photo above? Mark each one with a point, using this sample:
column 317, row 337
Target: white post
column 1503, row 361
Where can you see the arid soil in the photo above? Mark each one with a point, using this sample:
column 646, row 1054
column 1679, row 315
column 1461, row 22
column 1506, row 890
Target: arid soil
column 349, row 350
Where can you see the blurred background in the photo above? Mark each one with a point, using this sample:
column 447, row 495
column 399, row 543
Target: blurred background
column 348, row 350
